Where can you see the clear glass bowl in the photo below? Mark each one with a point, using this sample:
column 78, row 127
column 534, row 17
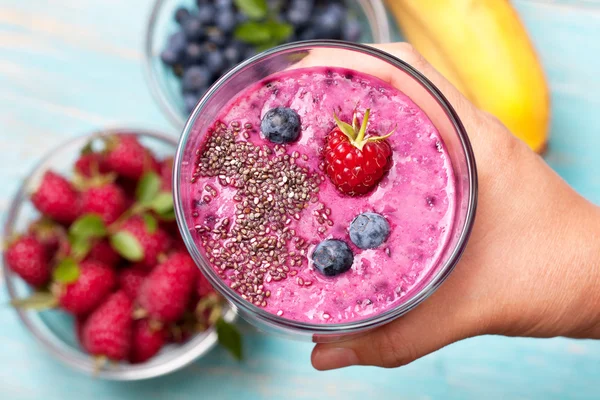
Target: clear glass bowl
column 413, row 84
column 165, row 86
column 54, row 329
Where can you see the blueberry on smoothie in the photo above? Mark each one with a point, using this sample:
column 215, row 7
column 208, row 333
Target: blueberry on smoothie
column 332, row 257
column 369, row 230
column 281, row 125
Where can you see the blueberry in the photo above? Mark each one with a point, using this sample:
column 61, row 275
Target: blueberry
column 215, row 62
column 299, row 12
column 206, row 14
column 329, row 21
column 216, row 37
column 234, row 53
column 352, row 30
column 181, row 15
column 177, row 42
column 309, row 33
column 225, row 20
column 192, row 27
column 332, row 257
column 193, row 54
column 369, row 230
column 190, row 100
column 169, row 57
column 241, row 17
column 250, row 52
column 281, row 125
column 223, row 4
column 195, row 78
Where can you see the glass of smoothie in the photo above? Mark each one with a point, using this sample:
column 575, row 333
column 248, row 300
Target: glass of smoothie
column 321, row 200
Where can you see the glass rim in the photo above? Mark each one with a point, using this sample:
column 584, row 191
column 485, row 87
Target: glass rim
column 196, row 346
column 378, row 22
column 362, row 324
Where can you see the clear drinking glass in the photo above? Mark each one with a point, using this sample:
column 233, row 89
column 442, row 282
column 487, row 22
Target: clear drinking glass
column 414, row 85
column 54, row 329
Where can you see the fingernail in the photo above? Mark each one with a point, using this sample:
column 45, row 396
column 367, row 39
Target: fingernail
column 334, row 357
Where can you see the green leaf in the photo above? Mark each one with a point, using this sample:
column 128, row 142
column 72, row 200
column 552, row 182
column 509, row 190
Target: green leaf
column 148, row 187
column 127, row 246
column 37, row 301
column 87, row 149
column 253, row 33
column 279, row 31
column 230, row 338
column 151, row 223
column 255, row 9
column 67, row 271
column 345, row 127
column 88, row 226
column 168, row 216
column 163, row 203
column 80, row 247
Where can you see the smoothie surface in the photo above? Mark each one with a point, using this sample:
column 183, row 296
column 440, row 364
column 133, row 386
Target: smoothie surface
column 261, row 208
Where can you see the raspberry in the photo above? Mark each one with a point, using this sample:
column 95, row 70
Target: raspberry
column 107, row 200
column 145, row 341
column 130, row 281
column 353, row 162
column 56, row 198
column 107, row 331
column 102, row 252
column 90, row 164
column 166, row 174
column 152, row 244
column 203, row 286
column 95, row 282
column 166, row 292
column 28, row 258
column 126, row 156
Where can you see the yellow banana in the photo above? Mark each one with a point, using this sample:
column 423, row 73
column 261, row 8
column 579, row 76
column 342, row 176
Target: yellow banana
column 482, row 47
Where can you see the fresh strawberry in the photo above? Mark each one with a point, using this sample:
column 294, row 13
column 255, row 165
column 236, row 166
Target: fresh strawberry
column 356, row 162
column 145, row 341
column 126, row 156
column 90, row 164
column 95, row 282
column 107, row 200
column 28, row 258
column 203, row 286
column 56, row 198
column 152, row 244
column 107, row 331
column 50, row 234
column 166, row 174
column 166, row 292
column 130, row 281
column 102, row 252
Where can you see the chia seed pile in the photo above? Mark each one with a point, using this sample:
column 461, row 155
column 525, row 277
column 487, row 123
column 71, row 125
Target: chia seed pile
column 272, row 189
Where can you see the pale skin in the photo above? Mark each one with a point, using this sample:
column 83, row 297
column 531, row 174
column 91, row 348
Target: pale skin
column 532, row 264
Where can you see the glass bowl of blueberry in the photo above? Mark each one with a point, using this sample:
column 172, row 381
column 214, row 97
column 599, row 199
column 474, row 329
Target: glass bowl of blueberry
column 191, row 43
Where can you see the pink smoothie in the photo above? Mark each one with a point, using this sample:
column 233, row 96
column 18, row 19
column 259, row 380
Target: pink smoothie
column 262, row 208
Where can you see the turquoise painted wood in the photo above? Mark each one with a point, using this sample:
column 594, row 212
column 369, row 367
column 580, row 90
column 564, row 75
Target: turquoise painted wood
column 71, row 66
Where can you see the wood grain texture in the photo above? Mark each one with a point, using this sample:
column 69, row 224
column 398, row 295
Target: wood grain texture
column 68, row 67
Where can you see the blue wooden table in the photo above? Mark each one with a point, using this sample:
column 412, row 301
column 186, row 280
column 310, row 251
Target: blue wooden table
column 69, row 66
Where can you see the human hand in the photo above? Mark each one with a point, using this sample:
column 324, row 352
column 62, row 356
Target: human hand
column 530, row 267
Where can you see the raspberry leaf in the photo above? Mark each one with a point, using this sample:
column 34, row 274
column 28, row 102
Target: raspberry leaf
column 255, row 9
column 88, row 226
column 163, row 203
column 148, row 188
column 67, row 271
column 345, row 127
column 253, row 33
column 127, row 246
column 151, row 223
column 230, row 338
column 37, row 301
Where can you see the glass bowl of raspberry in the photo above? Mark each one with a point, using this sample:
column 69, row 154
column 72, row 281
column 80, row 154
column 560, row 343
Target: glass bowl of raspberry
column 189, row 44
column 320, row 199
column 90, row 239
